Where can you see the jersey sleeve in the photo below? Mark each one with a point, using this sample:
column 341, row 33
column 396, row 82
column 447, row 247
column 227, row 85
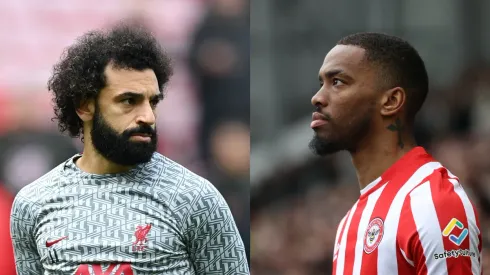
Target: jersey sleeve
column 215, row 245
column 22, row 219
column 445, row 236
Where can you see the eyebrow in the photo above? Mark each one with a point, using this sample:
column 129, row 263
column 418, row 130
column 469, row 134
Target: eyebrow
column 332, row 73
column 158, row 96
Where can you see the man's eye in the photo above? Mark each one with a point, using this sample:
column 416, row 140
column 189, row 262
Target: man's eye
column 154, row 103
column 129, row 101
column 337, row 81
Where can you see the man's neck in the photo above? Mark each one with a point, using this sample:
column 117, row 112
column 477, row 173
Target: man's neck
column 376, row 156
column 93, row 163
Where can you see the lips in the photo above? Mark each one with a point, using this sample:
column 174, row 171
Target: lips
column 318, row 120
column 318, row 116
column 141, row 135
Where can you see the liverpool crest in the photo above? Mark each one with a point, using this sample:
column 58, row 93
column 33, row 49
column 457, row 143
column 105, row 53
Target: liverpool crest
column 141, row 232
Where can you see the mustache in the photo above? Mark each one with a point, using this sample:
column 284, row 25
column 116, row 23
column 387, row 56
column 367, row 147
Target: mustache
column 142, row 129
column 318, row 109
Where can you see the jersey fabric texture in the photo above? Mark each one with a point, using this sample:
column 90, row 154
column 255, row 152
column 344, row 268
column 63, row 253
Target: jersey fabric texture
column 414, row 219
column 158, row 218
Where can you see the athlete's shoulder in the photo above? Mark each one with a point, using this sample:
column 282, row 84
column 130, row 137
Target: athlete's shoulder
column 167, row 169
column 440, row 221
column 37, row 189
column 178, row 181
column 443, row 195
column 187, row 194
column 441, row 184
column 30, row 197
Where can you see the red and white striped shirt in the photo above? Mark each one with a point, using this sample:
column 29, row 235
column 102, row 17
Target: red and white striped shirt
column 414, row 219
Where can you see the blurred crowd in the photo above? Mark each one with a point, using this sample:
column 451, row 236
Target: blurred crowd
column 203, row 123
column 296, row 210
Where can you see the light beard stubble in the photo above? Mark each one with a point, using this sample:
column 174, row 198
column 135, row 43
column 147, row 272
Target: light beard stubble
column 348, row 139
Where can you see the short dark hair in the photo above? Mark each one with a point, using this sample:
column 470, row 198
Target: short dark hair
column 400, row 65
column 79, row 75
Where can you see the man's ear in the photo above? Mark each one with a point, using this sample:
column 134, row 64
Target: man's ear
column 86, row 110
column 392, row 101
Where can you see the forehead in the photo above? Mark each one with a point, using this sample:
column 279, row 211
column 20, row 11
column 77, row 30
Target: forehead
column 123, row 80
column 347, row 58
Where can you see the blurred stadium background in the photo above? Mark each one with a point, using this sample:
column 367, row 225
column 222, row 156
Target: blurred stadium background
column 297, row 199
column 203, row 122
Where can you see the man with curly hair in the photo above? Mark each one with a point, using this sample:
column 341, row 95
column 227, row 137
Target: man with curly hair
column 120, row 207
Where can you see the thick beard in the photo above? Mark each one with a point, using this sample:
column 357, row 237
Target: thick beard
column 118, row 148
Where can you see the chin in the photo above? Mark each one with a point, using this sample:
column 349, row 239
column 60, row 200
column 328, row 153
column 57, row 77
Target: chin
column 322, row 146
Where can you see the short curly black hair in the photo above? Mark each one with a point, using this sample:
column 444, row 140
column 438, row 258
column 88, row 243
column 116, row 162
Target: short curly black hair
column 79, row 75
column 399, row 64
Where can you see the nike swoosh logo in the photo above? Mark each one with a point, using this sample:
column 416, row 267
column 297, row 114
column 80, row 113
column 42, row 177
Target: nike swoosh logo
column 51, row 243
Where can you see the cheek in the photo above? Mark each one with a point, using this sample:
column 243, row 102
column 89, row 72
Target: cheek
column 118, row 123
column 361, row 117
column 342, row 109
column 350, row 113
